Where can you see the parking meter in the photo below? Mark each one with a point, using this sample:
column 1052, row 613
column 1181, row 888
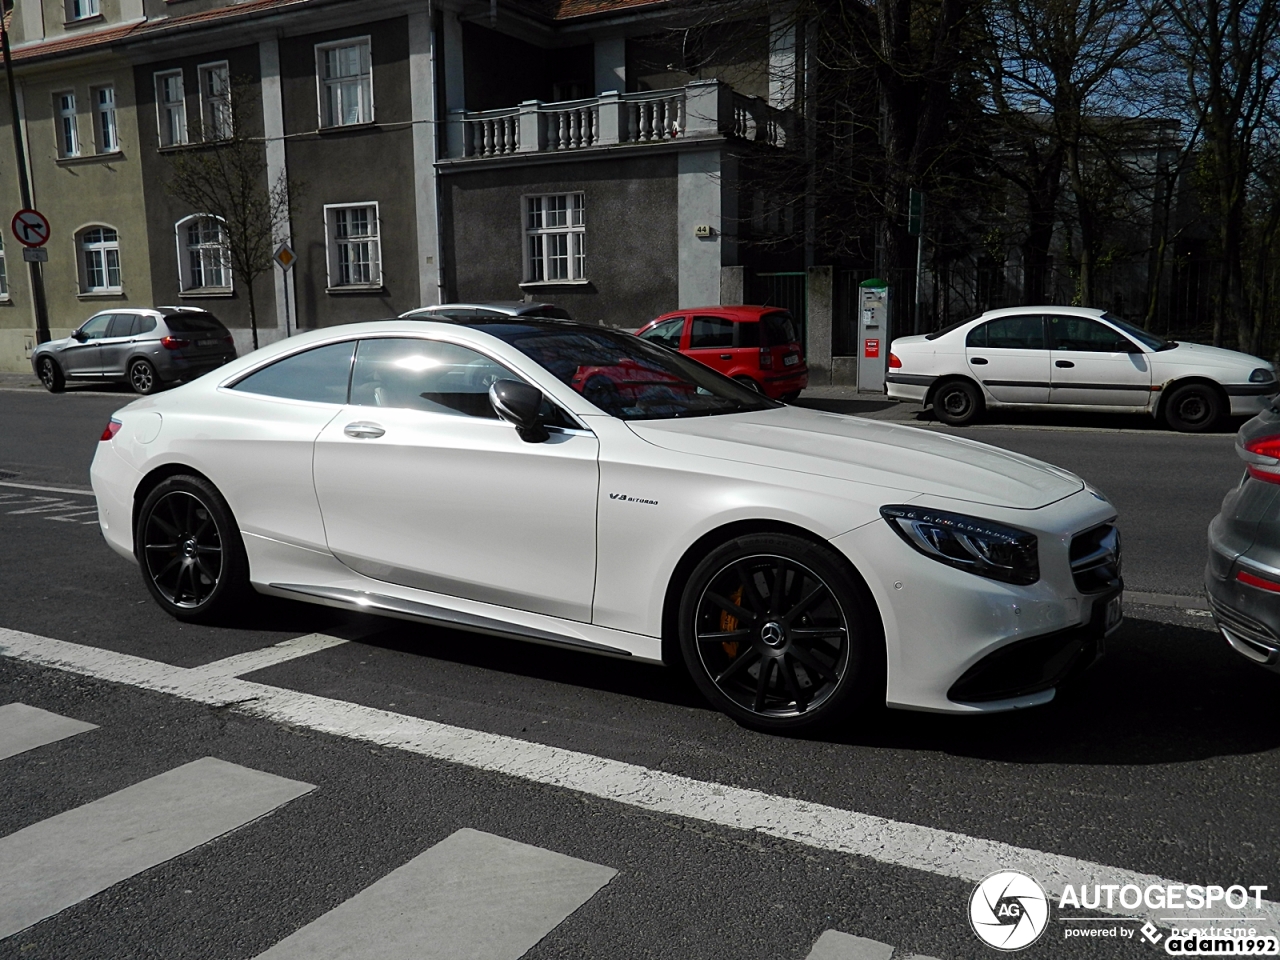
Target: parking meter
column 873, row 335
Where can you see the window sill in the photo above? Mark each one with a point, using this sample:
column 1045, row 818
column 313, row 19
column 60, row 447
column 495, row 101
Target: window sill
column 101, row 295
column 345, row 127
column 543, row 284
column 80, row 21
column 206, row 293
column 355, row 288
column 89, row 158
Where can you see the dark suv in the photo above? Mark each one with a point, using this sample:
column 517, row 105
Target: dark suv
column 147, row 349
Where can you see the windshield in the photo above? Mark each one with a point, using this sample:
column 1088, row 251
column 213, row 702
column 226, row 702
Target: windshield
column 1148, row 340
column 627, row 377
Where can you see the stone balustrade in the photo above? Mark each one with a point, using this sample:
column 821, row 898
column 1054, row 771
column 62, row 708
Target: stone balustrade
column 704, row 108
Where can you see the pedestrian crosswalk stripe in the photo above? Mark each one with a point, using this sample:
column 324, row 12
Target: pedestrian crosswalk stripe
column 282, row 652
column 471, row 895
column 834, row 945
column 24, row 728
column 51, row 865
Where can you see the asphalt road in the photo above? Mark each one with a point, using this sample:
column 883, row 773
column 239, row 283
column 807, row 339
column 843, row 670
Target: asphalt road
column 1163, row 760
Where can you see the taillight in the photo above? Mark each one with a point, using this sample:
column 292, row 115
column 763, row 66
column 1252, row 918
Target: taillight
column 113, row 427
column 766, row 358
column 1261, row 584
column 229, row 340
column 1265, row 447
column 1262, row 457
column 894, row 362
column 173, row 343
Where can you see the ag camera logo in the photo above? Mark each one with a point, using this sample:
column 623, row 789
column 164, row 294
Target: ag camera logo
column 1008, row 910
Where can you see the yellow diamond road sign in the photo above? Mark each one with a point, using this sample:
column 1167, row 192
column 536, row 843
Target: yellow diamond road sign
column 285, row 256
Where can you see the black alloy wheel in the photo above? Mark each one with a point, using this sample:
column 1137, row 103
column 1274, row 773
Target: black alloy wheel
column 1192, row 408
column 775, row 633
column 51, row 375
column 143, row 377
column 190, row 551
column 957, row 402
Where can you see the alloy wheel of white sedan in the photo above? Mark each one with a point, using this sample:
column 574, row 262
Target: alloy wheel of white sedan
column 581, row 488
column 1074, row 358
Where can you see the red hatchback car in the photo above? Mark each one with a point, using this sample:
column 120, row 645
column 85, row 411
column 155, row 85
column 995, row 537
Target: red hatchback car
column 758, row 346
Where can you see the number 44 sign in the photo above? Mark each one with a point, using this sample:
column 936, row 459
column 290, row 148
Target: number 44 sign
column 31, row 228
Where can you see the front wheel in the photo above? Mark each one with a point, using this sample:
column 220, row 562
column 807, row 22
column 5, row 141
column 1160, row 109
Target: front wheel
column 776, row 633
column 51, row 375
column 1192, row 408
column 190, row 551
column 143, row 377
column 957, row 403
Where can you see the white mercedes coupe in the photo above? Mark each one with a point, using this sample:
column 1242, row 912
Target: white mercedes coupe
column 1074, row 358
column 580, row 487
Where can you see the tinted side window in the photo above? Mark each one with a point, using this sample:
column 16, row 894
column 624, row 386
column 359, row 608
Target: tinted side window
column 96, row 328
column 319, row 375
column 711, row 332
column 1009, row 333
column 666, row 333
column 145, row 325
column 1081, row 333
column 425, row 375
column 121, row 325
column 747, row 334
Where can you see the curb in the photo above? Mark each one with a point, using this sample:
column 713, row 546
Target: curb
column 1166, row 600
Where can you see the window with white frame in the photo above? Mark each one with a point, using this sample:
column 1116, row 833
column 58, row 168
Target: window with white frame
column 82, row 9
column 555, row 238
column 106, row 132
column 355, row 252
column 215, row 101
column 204, row 261
column 345, row 74
column 99, row 260
column 171, row 108
column 68, row 136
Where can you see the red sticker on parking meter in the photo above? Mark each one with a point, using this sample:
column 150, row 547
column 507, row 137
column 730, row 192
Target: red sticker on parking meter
column 872, row 348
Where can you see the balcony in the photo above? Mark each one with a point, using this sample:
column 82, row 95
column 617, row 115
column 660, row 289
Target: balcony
column 702, row 109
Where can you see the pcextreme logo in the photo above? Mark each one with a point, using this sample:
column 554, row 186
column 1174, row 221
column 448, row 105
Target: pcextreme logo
column 1008, row 910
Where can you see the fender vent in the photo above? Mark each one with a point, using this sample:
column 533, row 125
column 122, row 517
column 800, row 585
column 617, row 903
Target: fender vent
column 1095, row 559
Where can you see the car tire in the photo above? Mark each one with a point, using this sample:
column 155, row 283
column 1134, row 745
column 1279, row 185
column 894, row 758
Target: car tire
column 190, row 551
column 143, row 377
column 816, row 648
column 750, row 384
column 51, row 375
column 1192, row 408
column 957, row 403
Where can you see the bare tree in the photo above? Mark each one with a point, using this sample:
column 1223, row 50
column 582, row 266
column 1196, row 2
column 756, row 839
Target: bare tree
column 226, row 179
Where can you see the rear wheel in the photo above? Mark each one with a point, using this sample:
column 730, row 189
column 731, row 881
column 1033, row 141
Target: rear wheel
column 51, row 375
column 957, row 402
column 190, row 551
column 776, row 633
column 143, row 377
column 1192, row 408
column 750, row 384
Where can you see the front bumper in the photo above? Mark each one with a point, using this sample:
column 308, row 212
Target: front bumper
column 1250, row 399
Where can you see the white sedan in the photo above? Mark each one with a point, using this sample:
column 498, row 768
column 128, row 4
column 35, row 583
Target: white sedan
column 1074, row 358
column 579, row 487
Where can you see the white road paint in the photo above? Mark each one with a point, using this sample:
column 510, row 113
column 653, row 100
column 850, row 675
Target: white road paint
column 24, row 728
column 78, row 491
column 58, row 862
column 833, row 945
column 286, row 650
column 940, row 852
column 471, row 895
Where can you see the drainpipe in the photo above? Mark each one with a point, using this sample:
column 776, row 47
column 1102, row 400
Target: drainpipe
column 435, row 140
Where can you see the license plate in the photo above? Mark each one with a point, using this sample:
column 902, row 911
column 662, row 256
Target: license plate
column 1115, row 613
column 790, row 360
column 207, row 343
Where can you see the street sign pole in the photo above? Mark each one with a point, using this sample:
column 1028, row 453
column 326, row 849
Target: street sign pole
column 24, row 185
column 285, row 259
column 915, row 227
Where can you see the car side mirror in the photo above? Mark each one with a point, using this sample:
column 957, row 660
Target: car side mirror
column 520, row 405
column 80, row 336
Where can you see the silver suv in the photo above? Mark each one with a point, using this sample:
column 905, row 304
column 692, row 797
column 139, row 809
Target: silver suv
column 147, row 349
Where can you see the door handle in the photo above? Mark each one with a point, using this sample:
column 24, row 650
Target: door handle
column 362, row 430
column 977, row 361
column 1063, row 363
column 726, row 356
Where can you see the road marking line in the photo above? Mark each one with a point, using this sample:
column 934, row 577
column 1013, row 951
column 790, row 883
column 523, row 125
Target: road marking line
column 940, row 852
column 473, row 894
column 71, row 517
column 282, row 652
column 78, row 491
column 58, row 862
column 24, row 728
column 834, row 945
column 48, row 505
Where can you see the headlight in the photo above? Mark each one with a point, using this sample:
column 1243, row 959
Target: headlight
column 968, row 543
column 1261, row 375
